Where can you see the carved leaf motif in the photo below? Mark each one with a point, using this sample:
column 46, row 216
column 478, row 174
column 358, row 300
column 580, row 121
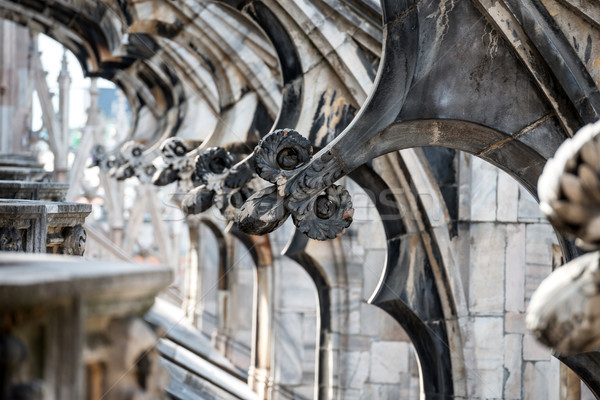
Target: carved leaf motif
column 212, row 162
column 165, row 177
column 230, row 201
column 280, row 151
column 10, row 240
column 563, row 312
column 124, row 172
column 197, row 200
column 263, row 212
column 173, row 149
column 74, row 241
column 325, row 216
column 240, row 174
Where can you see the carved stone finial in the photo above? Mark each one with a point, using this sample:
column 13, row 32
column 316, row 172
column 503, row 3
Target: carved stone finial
column 564, row 312
column 10, row 240
column 74, row 241
column 569, row 188
column 304, row 188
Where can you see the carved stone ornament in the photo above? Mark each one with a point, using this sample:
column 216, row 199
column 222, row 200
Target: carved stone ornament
column 303, row 188
column 179, row 160
column 564, row 311
column 105, row 160
column 135, row 164
column 569, row 187
column 10, row 240
column 221, row 183
column 74, row 241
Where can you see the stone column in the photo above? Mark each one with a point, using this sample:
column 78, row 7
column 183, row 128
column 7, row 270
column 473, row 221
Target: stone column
column 64, row 86
column 192, row 276
column 16, row 87
column 260, row 374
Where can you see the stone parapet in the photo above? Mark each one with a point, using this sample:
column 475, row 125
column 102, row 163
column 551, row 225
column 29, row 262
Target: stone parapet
column 72, row 329
column 26, row 190
column 43, row 226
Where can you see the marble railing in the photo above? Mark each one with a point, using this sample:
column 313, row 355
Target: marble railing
column 18, row 167
column 33, row 215
column 43, row 226
column 27, row 190
column 73, row 329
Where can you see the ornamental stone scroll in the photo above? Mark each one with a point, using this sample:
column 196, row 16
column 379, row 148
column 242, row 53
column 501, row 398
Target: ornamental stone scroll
column 303, row 188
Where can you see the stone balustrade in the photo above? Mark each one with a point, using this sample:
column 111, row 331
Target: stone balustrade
column 71, row 329
column 43, row 226
column 21, row 167
column 27, row 190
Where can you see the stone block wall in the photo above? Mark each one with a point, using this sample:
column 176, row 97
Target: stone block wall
column 372, row 355
column 503, row 248
column 506, row 248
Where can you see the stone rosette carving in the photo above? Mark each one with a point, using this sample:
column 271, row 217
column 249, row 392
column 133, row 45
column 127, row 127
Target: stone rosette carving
column 128, row 162
column 105, row 160
column 221, row 182
column 564, row 311
column 304, row 188
column 135, row 163
column 10, row 240
column 179, row 162
column 74, row 241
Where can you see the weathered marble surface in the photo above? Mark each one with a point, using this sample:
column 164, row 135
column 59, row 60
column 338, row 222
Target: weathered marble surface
column 11, row 173
column 25, row 190
column 88, row 316
column 564, row 311
column 33, row 279
column 44, row 226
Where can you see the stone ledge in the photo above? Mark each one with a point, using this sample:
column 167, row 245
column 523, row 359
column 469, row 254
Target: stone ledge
column 25, row 190
column 32, row 279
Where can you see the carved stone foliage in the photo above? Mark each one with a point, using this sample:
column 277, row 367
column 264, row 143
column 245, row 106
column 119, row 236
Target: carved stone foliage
column 126, row 163
column 569, row 188
column 107, row 161
column 303, row 188
column 179, row 160
column 74, row 241
column 10, row 240
column 564, row 311
column 222, row 183
column 135, row 163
